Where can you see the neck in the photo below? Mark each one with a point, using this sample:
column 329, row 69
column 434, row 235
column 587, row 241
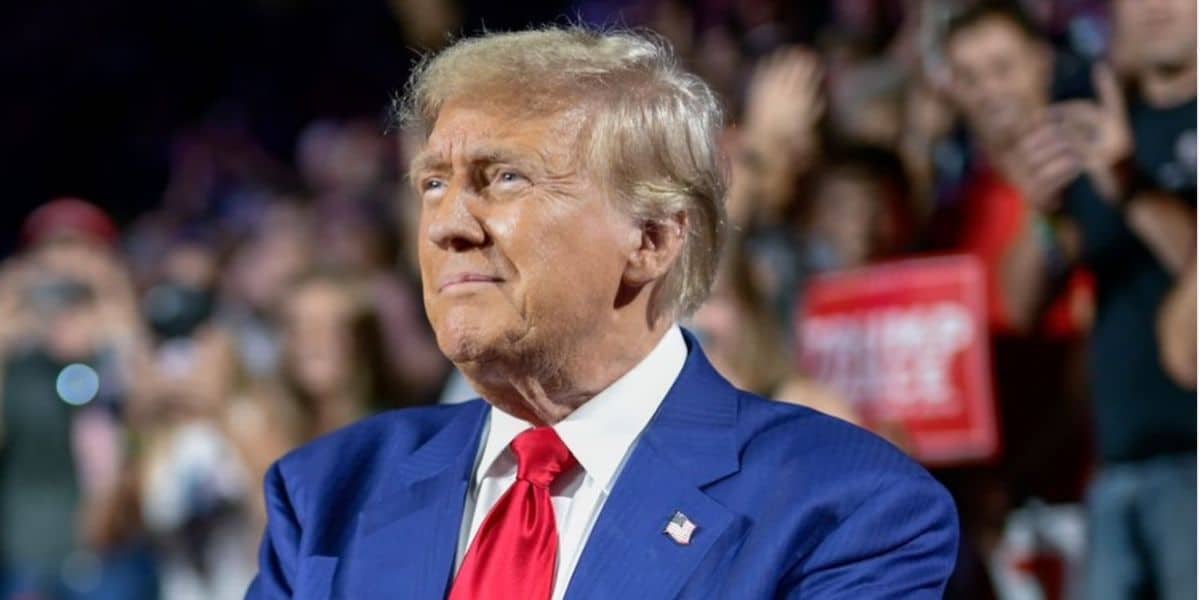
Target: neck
column 546, row 388
column 1168, row 85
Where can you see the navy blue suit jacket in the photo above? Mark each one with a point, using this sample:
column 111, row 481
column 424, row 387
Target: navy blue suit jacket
column 788, row 503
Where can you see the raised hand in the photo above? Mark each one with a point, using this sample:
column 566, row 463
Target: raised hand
column 1098, row 131
column 784, row 101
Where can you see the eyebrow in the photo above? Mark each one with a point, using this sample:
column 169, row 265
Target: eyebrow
column 490, row 155
column 426, row 161
column 431, row 160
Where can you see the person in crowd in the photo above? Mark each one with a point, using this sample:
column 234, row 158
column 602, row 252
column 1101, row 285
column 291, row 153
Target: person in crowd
column 70, row 339
column 1135, row 213
column 779, row 138
column 334, row 370
column 357, row 241
column 1001, row 77
column 218, row 426
column 195, row 485
column 276, row 250
column 776, row 145
column 1111, row 185
column 1001, row 80
column 857, row 209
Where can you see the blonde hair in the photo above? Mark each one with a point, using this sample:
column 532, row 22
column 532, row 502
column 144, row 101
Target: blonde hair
column 650, row 134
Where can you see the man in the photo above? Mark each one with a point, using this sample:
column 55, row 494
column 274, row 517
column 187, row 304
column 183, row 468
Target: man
column 571, row 210
column 1001, row 74
column 1111, row 185
column 70, row 340
column 1136, row 216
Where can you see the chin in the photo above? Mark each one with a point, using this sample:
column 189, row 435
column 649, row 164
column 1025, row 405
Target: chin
column 458, row 346
column 470, row 340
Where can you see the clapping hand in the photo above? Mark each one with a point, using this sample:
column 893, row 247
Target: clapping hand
column 1098, row 131
column 1041, row 163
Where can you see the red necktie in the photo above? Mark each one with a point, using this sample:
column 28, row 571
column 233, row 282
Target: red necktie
column 513, row 554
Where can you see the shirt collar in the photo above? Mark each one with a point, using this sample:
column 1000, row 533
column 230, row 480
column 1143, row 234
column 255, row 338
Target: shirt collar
column 602, row 431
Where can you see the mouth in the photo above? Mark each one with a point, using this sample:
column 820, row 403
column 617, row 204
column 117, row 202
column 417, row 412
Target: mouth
column 466, row 280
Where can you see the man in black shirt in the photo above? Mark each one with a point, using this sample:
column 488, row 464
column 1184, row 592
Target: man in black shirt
column 1131, row 220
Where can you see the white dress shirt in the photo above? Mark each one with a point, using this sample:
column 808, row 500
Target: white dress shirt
column 601, row 434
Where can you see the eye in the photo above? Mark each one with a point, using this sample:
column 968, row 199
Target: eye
column 508, row 178
column 432, row 186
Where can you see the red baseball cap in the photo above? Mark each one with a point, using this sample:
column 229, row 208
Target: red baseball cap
column 68, row 217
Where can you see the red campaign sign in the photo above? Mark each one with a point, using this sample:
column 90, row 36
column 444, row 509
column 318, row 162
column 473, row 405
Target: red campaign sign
column 906, row 343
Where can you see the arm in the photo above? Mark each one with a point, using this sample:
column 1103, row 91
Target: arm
column 779, row 136
column 901, row 542
column 1166, row 226
column 1177, row 330
column 1101, row 134
column 1024, row 276
column 278, row 554
column 1036, row 266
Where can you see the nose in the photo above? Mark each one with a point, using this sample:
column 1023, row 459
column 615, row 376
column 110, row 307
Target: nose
column 452, row 225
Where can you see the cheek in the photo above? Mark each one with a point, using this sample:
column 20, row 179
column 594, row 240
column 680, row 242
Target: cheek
column 511, row 223
column 429, row 258
column 1031, row 85
column 421, row 231
column 568, row 259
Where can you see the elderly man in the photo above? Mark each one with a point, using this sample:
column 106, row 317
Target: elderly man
column 571, row 211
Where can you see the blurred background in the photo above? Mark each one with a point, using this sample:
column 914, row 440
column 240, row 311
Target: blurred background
column 207, row 261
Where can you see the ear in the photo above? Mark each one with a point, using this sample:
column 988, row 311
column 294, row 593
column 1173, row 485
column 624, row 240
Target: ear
column 659, row 246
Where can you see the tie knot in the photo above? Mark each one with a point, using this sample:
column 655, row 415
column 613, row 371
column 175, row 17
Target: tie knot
column 541, row 456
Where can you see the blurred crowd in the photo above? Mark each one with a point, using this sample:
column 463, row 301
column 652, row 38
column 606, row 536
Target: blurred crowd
column 153, row 367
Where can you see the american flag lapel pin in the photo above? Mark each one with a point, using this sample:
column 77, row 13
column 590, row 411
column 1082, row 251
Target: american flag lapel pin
column 680, row 528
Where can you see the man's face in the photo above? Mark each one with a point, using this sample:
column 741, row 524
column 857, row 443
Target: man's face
column 1156, row 33
column 521, row 251
column 1000, row 77
column 319, row 321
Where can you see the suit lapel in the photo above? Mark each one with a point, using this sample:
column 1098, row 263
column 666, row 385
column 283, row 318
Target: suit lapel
column 690, row 443
column 408, row 532
column 628, row 555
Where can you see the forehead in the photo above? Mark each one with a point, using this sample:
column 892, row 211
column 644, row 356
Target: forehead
column 474, row 131
column 988, row 37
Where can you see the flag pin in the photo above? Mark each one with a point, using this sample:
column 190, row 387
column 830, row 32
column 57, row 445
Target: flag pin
column 680, row 528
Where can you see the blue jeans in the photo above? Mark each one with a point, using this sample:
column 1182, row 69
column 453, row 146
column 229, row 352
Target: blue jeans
column 1142, row 527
